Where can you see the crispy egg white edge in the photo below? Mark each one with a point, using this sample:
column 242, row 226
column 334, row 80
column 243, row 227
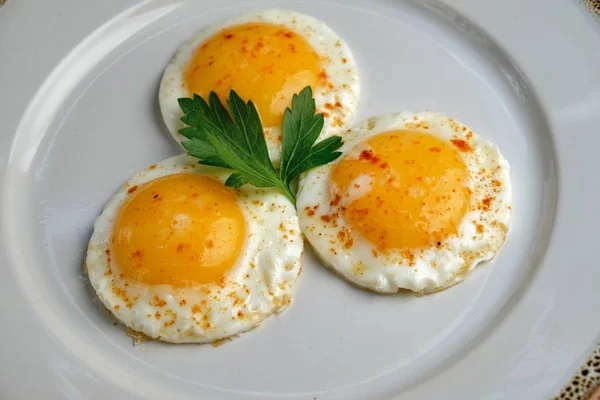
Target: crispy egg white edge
column 326, row 43
column 455, row 258
column 276, row 263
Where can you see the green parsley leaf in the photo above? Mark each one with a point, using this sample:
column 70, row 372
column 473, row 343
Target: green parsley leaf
column 235, row 140
column 301, row 128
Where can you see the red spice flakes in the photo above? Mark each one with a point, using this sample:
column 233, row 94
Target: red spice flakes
column 138, row 255
column 384, row 165
column 132, row 189
column 158, row 302
column 152, row 166
column 344, row 60
column 210, row 244
column 323, row 75
column 344, row 237
column 485, row 203
column 329, row 106
column 182, row 302
column 336, row 200
column 157, row 315
column 229, row 36
column 435, row 149
column 182, row 246
column 289, row 35
column 409, row 256
column 359, row 212
column 368, row 155
column 117, row 291
column 461, row 144
column 326, row 218
column 469, row 135
column 496, row 183
column 348, row 244
column 479, row 228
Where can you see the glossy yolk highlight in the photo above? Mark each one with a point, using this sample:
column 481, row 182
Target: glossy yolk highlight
column 179, row 230
column 262, row 62
column 415, row 193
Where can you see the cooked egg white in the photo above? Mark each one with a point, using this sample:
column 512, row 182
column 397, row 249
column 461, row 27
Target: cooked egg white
column 180, row 257
column 415, row 202
column 265, row 57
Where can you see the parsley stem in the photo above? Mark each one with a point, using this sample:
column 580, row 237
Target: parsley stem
column 288, row 193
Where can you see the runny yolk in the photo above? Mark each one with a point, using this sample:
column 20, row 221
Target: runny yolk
column 262, row 62
column 405, row 190
column 180, row 230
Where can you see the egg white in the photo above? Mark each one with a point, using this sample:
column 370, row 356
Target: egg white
column 259, row 283
column 336, row 60
column 433, row 268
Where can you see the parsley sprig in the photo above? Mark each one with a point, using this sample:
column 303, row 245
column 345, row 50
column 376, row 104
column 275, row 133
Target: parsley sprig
column 234, row 140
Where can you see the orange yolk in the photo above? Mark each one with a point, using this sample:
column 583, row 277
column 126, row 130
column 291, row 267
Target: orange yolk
column 263, row 62
column 417, row 194
column 179, row 230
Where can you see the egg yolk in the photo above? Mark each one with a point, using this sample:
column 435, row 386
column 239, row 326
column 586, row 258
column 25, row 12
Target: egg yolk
column 180, row 230
column 263, row 62
column 405, row 190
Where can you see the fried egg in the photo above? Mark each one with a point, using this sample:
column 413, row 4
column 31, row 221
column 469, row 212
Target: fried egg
column 415, row 202
column 265, row 57
column 180, row 257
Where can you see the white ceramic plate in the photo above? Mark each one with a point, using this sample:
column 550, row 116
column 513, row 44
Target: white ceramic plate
column 78, row 116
